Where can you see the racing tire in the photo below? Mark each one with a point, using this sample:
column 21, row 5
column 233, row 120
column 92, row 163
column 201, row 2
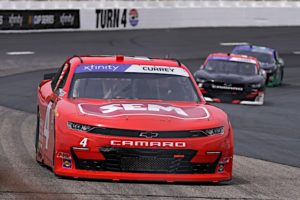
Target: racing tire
column 229, row 182
column 281, row 77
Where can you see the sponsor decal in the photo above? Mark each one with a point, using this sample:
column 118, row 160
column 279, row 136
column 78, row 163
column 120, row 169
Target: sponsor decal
column 67, row 19
column 67, row 163
column 159, row 69
column 133, row 17
column 101, row 68
column 115, row 110
column 15, row 20
column 153, row 69
column 140, row 107
column 38, row 19
column 132, row 143
column 41, row 19
column 131, row 68
column 64, row 155
column 46, row 131
column 225, row 87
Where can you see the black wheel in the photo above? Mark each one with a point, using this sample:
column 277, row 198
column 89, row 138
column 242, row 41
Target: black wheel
column 282, row 73
column 229, row 182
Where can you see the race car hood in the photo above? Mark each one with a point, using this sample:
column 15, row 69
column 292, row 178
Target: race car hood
column 228, row 78
column 148, row 115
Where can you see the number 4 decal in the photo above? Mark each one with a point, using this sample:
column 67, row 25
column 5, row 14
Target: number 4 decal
column 83, row 142
column 124, row 18
column 47, row 123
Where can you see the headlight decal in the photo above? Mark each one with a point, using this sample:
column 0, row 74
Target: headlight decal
column 211, row 131
column 79, row 127
column 256, row 85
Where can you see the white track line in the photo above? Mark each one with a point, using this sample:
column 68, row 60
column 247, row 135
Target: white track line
column 233, row 43
column 17, row 53
column 296, row 52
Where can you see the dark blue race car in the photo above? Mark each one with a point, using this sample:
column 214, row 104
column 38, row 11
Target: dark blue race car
column 269, row 61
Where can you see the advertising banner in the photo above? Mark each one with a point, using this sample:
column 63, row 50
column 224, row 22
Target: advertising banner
column 39, row 19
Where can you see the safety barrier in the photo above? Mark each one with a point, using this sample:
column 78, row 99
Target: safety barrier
column 119, row 15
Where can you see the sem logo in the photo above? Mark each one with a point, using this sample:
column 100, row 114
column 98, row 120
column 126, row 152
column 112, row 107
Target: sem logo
column 149, row 134
column 141, row 107
column 144, row 109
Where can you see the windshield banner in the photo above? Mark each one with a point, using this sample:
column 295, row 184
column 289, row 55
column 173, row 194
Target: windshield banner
column 152, row 69
column 236, row 59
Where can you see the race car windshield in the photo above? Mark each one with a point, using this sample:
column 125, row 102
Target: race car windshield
column 114, row 85
column 262, row 57
column 230, row 67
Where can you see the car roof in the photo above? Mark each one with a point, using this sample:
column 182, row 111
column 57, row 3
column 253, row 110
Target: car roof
column 254, row 48
column 121, row 59
column 232, row 57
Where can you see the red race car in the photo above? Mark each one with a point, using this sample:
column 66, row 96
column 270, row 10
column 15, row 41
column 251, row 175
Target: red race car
column 130, row 118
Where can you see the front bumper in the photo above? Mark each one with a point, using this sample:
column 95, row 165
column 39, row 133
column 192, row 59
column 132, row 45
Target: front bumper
column 259, row 100
column 247, row 95
column 120, row 176
column 210, row 161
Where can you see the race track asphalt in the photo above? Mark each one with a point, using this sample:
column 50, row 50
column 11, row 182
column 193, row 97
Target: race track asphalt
column 269, row 132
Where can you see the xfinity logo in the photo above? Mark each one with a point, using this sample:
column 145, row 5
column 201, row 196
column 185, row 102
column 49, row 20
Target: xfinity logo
column 148, row 134
column 141, row 107
column 66, row 19
column 131, row 143
column 15, row 20
column 101, row 67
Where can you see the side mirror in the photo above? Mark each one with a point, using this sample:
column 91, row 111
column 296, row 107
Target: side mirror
column 52, row 97
column 60, row 92
column 280, row 61
column 49, row 76
column 263, row 73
